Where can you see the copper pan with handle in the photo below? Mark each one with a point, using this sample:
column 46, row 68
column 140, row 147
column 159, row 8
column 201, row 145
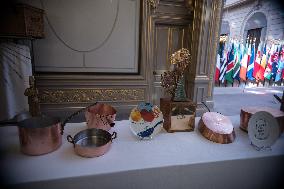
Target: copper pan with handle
column 42, row 135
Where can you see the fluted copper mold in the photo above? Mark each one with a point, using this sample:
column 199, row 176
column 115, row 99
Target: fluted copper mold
column 100, row 116
column 215, row 137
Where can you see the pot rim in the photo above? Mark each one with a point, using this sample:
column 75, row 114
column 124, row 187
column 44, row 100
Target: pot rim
column 92, row 132
column 97, row 107
column 39, row 122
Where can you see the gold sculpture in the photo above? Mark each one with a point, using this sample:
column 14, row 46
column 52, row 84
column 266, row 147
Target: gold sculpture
column 173, row 80
column 179, row 111
column 33, row 100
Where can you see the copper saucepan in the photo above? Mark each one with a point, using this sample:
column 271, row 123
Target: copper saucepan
column 92, row 142
column 42, row 135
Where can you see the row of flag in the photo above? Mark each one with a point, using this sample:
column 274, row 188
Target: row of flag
column 236, row 61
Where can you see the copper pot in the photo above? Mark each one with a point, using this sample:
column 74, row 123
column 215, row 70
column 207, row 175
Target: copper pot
column 100, row 116
column 42, row 135
column 92, row 142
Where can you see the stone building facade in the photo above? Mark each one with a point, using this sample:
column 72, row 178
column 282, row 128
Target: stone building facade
column 240, row 16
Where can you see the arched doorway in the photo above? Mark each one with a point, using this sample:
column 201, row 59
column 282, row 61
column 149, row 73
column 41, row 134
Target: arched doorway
column 255, row 28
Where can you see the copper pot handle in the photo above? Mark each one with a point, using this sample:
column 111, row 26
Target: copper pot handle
column 109, row 121
column 204, row 104
column 113, row 136
column 73, row 115
column 71, row 140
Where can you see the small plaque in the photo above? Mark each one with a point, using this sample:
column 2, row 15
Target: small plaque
column 263, row 130
column 182, row 122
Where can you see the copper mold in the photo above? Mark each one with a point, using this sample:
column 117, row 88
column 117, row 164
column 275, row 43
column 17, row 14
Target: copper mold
column 215, row 137
column 100, row 116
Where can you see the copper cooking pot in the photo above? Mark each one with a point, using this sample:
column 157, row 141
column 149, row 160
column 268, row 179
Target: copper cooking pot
column 100, row 116
column 92, row 142
column 42, row 135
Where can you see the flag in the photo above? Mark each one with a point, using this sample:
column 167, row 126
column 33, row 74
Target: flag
column 223, row 67
column 263, row 63
column 251, row 63
column 282, row 55
column 257, row 62
column 274, row 64
column 279, row 73
column 230, row 65
column 218, row 66
column 280, row 65
column 268, row 69
column 237, row 66
column 244, row 64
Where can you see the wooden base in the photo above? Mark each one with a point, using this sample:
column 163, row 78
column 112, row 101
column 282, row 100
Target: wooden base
column 215, row 137
column 178, row 116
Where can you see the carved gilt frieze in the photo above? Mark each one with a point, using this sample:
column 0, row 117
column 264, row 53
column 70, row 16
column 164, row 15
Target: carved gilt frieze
column 63, row 96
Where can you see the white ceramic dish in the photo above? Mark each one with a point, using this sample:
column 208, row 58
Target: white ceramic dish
column 146, row 120
column 263, row 130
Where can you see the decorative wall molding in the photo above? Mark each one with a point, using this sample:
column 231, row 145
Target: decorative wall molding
column 74, row 89
column 95, row 40
column 66, row 96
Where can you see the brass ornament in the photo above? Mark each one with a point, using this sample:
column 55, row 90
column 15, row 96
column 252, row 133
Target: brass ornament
column 172, row 80
column 33, row 100
column 52, row 96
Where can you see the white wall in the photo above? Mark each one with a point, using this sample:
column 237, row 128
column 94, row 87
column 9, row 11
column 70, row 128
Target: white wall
column 85, row 25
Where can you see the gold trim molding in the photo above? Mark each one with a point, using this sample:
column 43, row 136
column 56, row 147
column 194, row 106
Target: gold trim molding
column 63, row 96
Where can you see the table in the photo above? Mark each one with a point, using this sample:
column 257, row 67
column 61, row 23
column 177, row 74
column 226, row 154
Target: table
column 170, row 160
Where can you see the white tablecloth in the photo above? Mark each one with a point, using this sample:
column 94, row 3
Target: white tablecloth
column 170, row 160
